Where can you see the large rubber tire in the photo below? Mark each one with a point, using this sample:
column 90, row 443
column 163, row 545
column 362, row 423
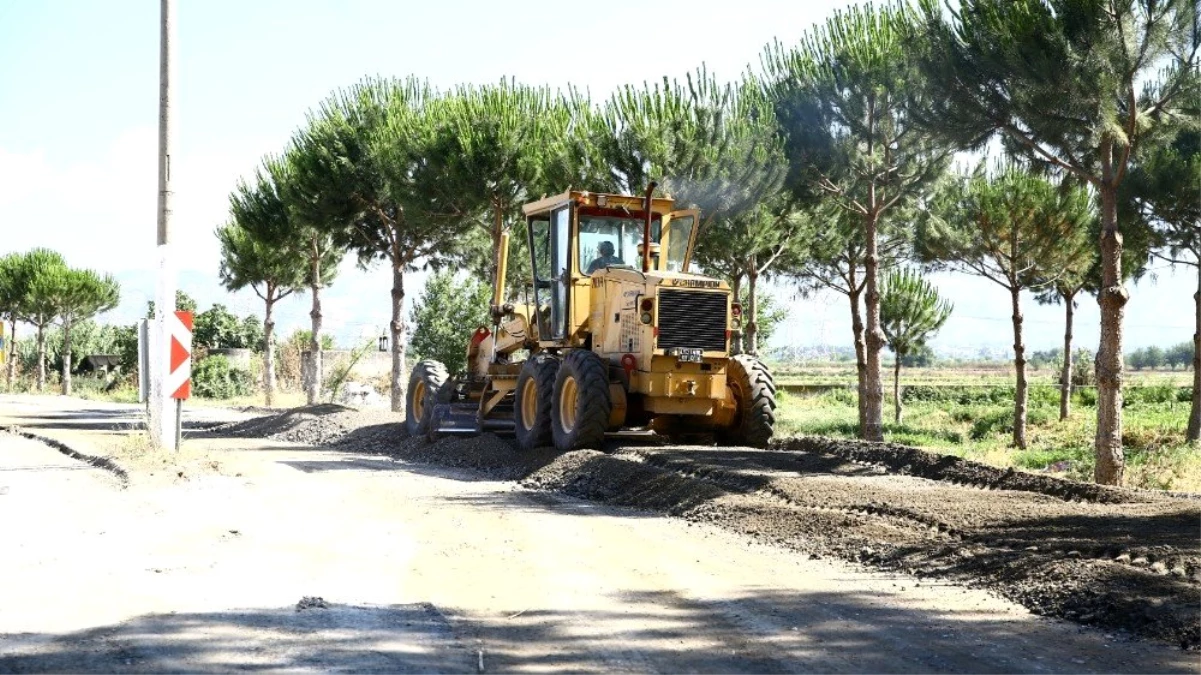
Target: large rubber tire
column 425, row 382
column 581, row 406
column 754, row 391
column 532, row 415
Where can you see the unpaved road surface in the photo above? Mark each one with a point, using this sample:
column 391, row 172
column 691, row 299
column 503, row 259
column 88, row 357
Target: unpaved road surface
column 263, row 553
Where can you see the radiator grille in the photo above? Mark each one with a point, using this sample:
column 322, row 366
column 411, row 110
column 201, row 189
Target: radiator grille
column 692, row 319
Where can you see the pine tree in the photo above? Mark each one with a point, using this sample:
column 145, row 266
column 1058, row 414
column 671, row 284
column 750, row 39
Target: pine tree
column 369, row 171
column 42, row 271
column 1074, row 87
column 79, row 295
column 1009, row 228
column 1164, row 194
column 12, row 292
column 844, row 98
column 266, row 248
column 911, row 312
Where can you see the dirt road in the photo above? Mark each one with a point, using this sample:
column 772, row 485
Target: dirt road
column 269, row 554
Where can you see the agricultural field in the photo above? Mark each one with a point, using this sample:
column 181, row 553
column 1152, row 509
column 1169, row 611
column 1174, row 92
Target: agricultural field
column 968, row 412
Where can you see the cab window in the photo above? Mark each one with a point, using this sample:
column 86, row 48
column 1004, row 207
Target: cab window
column 679, row 233
column 607, row 241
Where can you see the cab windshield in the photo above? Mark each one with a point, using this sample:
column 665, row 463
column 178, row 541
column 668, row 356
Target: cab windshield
column 613, row 241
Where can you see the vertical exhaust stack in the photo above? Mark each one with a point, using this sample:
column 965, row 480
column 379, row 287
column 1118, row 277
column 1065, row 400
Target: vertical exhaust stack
column 646, row 229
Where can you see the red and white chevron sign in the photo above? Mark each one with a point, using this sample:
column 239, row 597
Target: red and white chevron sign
column 179, row 375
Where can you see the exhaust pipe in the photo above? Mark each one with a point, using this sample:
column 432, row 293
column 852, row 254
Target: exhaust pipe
column 646, row 229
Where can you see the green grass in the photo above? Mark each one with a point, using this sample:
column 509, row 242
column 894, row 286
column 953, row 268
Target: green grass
column 979, row 425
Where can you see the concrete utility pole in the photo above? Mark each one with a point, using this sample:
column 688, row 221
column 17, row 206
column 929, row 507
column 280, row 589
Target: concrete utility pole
column 162, row 408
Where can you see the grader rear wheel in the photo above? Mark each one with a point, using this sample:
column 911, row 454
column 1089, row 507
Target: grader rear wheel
column 425, row 382
column 582, row 402
column 754, row 393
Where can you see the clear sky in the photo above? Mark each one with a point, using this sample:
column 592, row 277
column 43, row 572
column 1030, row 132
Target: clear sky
column 79, row 111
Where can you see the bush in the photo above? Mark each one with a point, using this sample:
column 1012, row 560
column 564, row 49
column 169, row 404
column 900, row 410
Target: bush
column 1153, row 395
column 1000, row 421
column 218, row 328
column 216, row 377
column 955, row 394
column 445, row 316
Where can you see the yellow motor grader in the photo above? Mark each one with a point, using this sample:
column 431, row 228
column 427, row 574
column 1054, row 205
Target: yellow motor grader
column 613, row 333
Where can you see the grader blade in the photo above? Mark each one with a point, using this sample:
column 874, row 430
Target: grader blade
column 462, row 419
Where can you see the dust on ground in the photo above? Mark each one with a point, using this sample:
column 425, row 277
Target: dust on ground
column 1117, row 559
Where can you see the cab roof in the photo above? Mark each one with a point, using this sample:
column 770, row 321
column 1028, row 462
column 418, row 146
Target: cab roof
column 584, row 198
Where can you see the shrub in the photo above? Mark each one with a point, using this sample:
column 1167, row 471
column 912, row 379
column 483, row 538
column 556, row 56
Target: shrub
column 845, row 395
column 956, row 394
column 1041, row 458
column 1000, row 421
column 216, row 377
column 445, row 316
column 1153, row 395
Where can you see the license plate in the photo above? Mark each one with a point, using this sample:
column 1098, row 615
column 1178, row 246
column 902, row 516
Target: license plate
column 687, row 355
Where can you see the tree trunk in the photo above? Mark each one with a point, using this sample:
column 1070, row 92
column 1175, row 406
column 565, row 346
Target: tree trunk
column 752, row 309
column 860, row 355
column 896, row 389
column 873, row 386
column 41, row 359
column 398, row 343
column 1194, row 419
column 1065, row 378
column 12, row 354
column 313, row 390
column 1111, row 461
column 66, row 383
column 736, row 338
column 1021, row 395
column 269, row 349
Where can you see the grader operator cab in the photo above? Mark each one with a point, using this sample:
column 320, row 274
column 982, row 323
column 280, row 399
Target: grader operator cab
column 616, row 333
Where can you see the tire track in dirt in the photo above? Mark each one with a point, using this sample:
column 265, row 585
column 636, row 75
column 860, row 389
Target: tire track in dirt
column 1125, row 560
column 1114, row 558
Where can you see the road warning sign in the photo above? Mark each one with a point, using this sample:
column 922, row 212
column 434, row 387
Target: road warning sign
column 179, row 381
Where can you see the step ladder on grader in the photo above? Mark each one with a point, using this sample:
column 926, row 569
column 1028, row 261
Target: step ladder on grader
column 612, row 333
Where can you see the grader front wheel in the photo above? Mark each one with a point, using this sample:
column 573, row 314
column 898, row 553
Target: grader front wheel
column 754, row 394
column 580, row 413
column 425, row 381
column 535, row 401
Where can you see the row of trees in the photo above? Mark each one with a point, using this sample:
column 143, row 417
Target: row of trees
column 39, row 288
column 830, row 162
column 1180, row 355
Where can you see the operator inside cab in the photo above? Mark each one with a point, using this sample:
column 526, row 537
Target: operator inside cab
column 604, row 259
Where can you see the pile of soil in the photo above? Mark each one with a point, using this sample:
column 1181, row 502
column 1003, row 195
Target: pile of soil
column 1119, row 559
column 321, row 424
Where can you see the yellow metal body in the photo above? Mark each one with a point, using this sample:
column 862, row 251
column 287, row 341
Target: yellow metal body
column 606, row 313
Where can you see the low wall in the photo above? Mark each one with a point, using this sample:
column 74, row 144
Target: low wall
column 370, row 365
